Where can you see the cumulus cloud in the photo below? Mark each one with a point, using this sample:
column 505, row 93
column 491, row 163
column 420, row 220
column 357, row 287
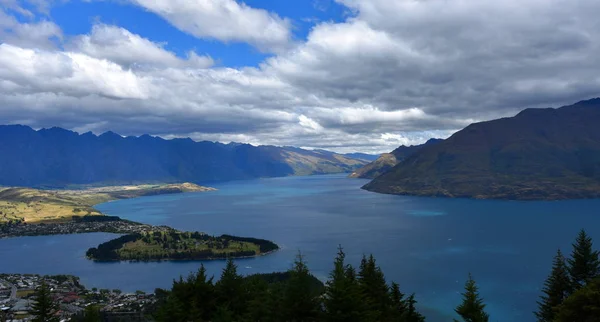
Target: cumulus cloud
column 67, row 73
column 42, row 34
column 123, row 47
column 395, row 72
column 224, row 20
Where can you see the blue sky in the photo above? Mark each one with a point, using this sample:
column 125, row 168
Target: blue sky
column 342, row 75
column 77, row 17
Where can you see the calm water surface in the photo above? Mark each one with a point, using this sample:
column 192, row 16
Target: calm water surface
column 428, row 245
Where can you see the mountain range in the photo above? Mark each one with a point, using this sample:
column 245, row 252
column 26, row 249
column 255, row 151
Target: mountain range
column 538, row 154
column 57, row 157
column 387, row 161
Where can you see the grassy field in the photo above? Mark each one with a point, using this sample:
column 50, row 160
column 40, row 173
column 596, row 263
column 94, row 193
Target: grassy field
column 38, row 206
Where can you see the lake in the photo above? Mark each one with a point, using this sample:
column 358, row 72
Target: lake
column 427, row 245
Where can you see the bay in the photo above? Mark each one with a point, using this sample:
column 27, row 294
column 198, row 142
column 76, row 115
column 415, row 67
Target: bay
column 428, row 245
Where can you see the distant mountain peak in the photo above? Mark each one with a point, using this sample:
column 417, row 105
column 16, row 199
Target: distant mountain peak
column 45, row 158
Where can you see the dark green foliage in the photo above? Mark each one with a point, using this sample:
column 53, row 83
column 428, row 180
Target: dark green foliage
column 192, row 299
column 411, row 314
column 172, row 249
column 584, row 264
column 301, row 301
column 343, row 298
column 581, row 306
column 265, row 245
column 230, row 291
column 472, row 307
column 556, row 289
column 96, row 218
column 374, row 290
column 397, row 303
column 45, row 308
column 91, row 314
column 294, row 296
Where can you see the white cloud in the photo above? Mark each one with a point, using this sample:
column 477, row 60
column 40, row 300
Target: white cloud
column 397, row 72
column 42, row 34
column 224, row 20
column 67, row 73
column 125, row 48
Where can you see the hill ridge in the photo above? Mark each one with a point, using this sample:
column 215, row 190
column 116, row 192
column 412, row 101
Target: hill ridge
column 538, row 154
column 57, row 157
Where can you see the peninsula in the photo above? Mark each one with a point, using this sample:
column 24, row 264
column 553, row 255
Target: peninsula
column 32, row 206
column 34, row 212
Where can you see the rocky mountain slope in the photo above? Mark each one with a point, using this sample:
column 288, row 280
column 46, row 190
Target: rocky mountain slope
column 537, row 154
column 387, row 161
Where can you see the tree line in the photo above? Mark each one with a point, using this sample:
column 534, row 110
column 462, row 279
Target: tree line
column 349, row 295
column 571, row 293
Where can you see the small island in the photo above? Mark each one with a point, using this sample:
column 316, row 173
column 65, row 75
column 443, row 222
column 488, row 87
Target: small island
column 158, row 245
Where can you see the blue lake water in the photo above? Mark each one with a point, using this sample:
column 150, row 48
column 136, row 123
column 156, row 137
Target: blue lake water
column 428, row 245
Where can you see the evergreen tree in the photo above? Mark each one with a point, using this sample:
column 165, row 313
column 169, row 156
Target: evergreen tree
column 397, row 303
column 472, row 307
column 44, row 309
column 584, row 264
column 301, row 301
column 342, row 294
column 374, row 290
column 411, row 314
column 259, row 305
column 230, row 292
column 204, row 296
column 556, row 289
column 581, row 306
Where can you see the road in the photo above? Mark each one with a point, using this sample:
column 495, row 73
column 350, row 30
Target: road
column 13, row 291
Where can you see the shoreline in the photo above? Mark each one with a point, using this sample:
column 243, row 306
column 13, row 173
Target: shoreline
column 102, row 223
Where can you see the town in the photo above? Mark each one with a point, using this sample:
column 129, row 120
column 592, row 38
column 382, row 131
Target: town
column 17, row 299
column 87, row 224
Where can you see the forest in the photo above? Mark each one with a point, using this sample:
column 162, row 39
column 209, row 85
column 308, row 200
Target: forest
column 571, row 293
column 176, row 245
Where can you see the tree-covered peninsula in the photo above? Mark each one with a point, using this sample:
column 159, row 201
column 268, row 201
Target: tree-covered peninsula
column 176, row 245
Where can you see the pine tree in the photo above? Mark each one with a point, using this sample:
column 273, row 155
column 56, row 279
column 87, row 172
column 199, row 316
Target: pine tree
column 204, row 297
column 374, row 290
column 342, row 294
column 44, row 309
column 259, row 305
column 581, row 306
column 301, row 301
column 411, row 314
column 556, row 289
column 397, row 304
column 472, row 307
column 230, row 292
column 584, row 264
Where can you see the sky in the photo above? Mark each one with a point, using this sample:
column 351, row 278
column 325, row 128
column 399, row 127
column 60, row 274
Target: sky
column 342, row 75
